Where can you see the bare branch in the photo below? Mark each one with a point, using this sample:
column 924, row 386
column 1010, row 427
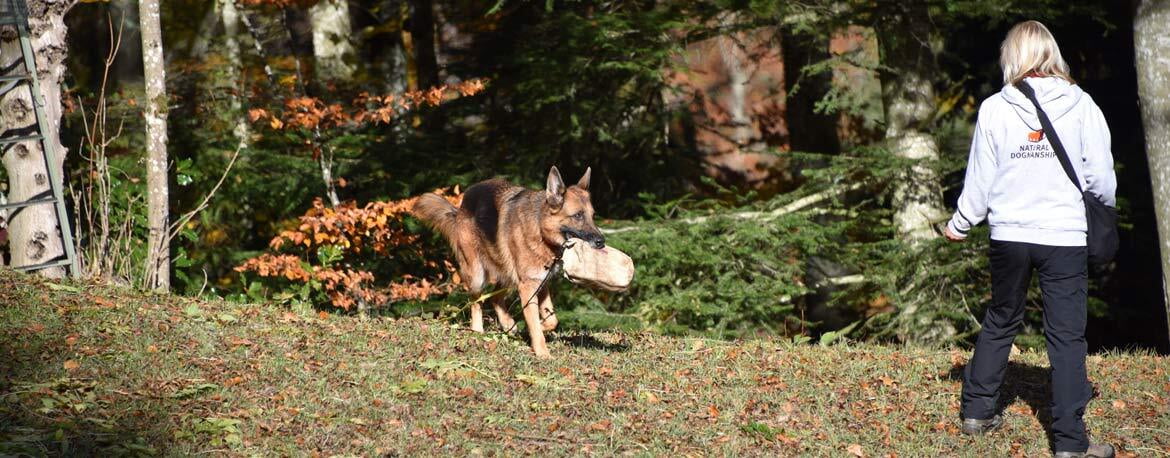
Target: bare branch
column 183, row 220
column 795, row 206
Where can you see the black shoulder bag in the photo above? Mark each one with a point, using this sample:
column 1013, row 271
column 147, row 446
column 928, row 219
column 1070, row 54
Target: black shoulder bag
column 1101, row 218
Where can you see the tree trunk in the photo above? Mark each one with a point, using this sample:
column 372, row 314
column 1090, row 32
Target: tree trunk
column 206, row 30
column 1152, row 49
column 906, row 40
column 332, row 49
column 817, row 131
column 231, row 28
column 158, row 272
column 734, row 64
column 33, row 236
column 422, row 37
column 126, row 14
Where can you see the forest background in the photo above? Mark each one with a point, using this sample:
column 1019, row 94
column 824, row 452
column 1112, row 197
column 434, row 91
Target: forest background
column 747, row 155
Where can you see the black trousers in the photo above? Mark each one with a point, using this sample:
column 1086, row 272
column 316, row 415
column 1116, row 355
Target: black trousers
column 1064, row 284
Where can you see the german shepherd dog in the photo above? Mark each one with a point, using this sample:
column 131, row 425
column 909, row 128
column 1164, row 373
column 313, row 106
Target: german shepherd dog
column 507, row 235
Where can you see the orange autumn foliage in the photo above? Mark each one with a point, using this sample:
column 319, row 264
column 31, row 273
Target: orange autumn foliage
column 373, row 229
column 312, row 113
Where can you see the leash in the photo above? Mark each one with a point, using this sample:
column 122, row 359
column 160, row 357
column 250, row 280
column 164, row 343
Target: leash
column 552, row 268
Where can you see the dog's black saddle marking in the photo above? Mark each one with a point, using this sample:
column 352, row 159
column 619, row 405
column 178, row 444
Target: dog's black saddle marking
column 480, row 201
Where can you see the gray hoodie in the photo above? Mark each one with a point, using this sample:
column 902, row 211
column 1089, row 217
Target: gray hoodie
column 1014, row 179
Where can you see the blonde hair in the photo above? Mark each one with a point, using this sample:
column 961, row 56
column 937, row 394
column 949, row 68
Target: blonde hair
column 1031, row 50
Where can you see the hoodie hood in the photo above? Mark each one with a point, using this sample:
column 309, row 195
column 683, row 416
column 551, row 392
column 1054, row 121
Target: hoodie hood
column 1056, row 95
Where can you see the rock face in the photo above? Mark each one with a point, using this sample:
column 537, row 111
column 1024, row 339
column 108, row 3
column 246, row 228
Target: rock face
column 736, row 91
column 733, row 86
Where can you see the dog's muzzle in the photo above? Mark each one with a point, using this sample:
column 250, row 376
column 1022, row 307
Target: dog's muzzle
column 595, row 239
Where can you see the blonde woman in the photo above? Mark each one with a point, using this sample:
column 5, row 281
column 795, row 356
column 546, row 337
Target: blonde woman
column 1037, row 216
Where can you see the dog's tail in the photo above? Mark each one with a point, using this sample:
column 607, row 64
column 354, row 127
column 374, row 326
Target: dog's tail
column 438, row 212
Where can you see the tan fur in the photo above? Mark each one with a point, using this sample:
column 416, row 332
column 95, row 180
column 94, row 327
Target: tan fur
column 506, row 235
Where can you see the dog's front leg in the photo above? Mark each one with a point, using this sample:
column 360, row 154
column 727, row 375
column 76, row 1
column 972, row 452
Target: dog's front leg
column 532, row 318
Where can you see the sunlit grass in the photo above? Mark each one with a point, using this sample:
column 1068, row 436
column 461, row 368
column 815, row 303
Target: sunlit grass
column 97, row 370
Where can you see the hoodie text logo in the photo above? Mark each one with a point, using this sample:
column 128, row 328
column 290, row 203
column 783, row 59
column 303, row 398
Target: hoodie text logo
column 1034, row 151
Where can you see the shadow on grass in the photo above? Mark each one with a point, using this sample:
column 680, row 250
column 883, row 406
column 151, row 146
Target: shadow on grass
column 45, row 413
column 587, row 341
column 1028, row 383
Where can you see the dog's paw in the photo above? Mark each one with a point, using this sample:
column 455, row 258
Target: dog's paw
column 542, row 353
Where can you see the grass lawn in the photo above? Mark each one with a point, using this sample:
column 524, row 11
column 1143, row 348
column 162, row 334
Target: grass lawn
column 96, row 370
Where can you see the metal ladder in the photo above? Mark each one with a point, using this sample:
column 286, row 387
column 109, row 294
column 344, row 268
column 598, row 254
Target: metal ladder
column 15, row 13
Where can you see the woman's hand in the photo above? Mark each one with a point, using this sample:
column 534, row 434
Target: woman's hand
column 951, row 236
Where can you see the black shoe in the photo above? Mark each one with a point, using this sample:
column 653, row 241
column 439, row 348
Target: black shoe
column 1094, row 451
column 973, row 427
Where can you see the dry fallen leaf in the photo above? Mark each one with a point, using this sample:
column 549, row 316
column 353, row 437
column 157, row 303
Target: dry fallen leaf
column 71, row 365
column 855, row 450
column 1118, row 404
column 602, row 425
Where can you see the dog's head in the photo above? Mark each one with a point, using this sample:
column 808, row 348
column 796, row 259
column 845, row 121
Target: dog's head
column 569, row 212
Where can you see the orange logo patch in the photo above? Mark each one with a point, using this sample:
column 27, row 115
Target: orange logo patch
column 1035, row 136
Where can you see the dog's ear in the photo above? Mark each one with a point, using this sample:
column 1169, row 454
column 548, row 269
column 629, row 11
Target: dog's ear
column 555, row 189
column 583, row 183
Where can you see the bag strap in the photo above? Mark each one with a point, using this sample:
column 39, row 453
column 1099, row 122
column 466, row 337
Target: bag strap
column 1051, row 133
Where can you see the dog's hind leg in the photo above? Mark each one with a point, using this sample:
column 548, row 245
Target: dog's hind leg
column 473, row 273
column 507, row 323
column 476, row 317
column 548, row 317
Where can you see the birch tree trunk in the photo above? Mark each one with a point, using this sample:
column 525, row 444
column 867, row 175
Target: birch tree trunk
column 907, row 46
column 1151, row 29
column 33, row 236
column 158, row 272
column 332, row 49
column 734, row 64
column 231, row 31
column 207, row 28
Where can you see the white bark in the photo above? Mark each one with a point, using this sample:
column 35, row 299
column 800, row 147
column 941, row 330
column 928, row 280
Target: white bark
column 332, row 48
column 231, row 28
column 33, row 236
column 1152, row 49
column 205, row 32
column 158, row 273
column 733, row 57
column 909, row 99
